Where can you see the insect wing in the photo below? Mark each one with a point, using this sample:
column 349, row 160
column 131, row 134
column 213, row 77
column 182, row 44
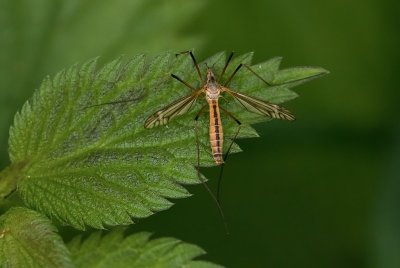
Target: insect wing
column 261, row 107
column 176, row 108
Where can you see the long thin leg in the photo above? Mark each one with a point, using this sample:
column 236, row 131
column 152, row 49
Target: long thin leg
column 231, row 115
column 201, row 178
column 112, row 102
column 226, row 66
column 194, row 62
column 221, row 171
column 256, row 74
column 200, row 112
column 197, row 118
column 271, row 84
column 183, row 82
column 233, row 74
column 248, row 68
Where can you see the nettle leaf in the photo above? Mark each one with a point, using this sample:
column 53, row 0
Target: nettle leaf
column 40, row 37
column 27, row 239
column 137, row 250
column 96, row 165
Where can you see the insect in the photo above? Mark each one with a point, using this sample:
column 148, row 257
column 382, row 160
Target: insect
column 212, row 89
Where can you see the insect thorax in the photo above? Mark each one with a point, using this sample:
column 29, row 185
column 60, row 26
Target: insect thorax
column 212, row 94
column 213, row 90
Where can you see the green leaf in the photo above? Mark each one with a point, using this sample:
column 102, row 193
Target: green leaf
column 40, row 37
column 137, row 250
column 96, row 165
column 27, row 239
column 298, row 75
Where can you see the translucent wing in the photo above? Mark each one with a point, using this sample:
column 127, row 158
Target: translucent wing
column 261, row 107
column 176, row 108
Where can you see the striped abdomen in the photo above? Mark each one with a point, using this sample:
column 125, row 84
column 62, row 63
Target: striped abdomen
column 216, row 134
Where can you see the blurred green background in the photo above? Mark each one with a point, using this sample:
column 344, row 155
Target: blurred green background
column 320, row 192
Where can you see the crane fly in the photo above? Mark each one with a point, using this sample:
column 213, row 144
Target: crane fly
column 212, row 90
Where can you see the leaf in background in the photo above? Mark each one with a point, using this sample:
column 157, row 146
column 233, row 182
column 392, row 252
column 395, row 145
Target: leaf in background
column 137, row 250
column 98, row 165
column 27, row 239
column 42, row 36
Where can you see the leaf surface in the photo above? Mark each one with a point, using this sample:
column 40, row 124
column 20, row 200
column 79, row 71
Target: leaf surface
column 27, row 239
column 137, row 250
column 96, row 165
column 40, row 37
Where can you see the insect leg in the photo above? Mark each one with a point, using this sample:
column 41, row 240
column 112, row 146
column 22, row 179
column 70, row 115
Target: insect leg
column 113, row 102
column 197, row 118
column 256, row 74
column 226, row 65
column 194, row 62
column 200, row 112
column 272, row 84
column 200, row 176
column 248, row 68
column 233, row 74
column 183, row 82
column 227, row 152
